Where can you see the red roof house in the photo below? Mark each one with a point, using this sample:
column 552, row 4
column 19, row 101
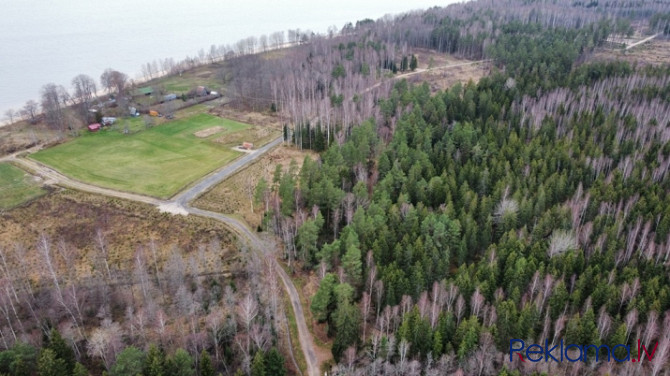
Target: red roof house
column 94, row 127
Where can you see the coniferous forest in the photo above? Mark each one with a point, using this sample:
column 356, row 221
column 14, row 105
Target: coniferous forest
column 533, row 204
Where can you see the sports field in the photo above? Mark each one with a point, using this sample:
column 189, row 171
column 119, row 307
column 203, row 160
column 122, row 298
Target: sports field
column 16, row 187
column 158, row 162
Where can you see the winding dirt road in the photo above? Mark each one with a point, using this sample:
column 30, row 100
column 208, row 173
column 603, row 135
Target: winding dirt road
column 419, row 71
column 645, row 40
column 180, row 204
column 304, row 336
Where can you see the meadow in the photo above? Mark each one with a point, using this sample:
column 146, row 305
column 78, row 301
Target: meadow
column 16, row 187
column 159, row 161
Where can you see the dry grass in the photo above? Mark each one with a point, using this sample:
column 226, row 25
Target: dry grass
column 73, row 218
column 256, row 135
column 441, row 79
column 22, row 135
column 655, row 52
column 248, row 117
column 208, row 132
column 265, row 127
column 230, row 197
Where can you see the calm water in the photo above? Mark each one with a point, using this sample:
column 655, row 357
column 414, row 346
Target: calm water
column 52, row 41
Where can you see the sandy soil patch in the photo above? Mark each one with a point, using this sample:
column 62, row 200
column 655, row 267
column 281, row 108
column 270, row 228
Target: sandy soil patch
column 242, row 150
column 172, row 208
column 248, row 117
column 208, row 132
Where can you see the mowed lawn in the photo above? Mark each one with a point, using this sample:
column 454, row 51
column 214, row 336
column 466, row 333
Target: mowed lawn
column 157, row 162
column 16, row 187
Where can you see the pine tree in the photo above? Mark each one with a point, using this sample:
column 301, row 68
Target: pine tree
column 205, row 366
column 437, row 344
column 61, row 350
column 347, row 322
column 258, row 365
column 79, row 370
column 275, row 363
column 323, row 300
column 129, row 362
column 154, row 363
column 180, row 364
column 353, row 265
column 261, row 189
column 49, row 365
column 308, row 234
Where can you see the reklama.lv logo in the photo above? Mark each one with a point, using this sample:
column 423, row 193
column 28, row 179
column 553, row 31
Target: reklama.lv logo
column 575, row 353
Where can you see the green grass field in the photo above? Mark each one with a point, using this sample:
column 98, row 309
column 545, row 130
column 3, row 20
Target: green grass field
column 16, row 187
column 157, row 162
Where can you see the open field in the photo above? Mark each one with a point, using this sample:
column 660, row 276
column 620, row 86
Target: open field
column 231, row 196
column 74, row 218
column 17, row 187
column 208, row 76
column 264, row 129
column 157, row 162
column 655, row 52
column 441, row 79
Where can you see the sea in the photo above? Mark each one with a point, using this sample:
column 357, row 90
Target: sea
column 44, row 41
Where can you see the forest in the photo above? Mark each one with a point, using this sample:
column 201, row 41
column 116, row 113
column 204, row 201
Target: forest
column 531, row 204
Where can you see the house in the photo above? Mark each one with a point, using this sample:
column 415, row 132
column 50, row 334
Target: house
column 94, row 127
column 247, row 145
column 108, row 120
column 201, row 91
column 169, row 97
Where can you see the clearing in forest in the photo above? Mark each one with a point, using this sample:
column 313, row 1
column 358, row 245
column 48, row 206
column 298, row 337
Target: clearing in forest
column 158, row 162
column 235, row 194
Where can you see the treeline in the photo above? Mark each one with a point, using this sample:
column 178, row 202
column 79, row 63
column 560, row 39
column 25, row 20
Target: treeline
column 518, row 207
column 56, row 358
column 335, row 82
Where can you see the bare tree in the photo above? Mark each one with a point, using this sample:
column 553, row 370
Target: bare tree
column 53, row 102
column 106, row 342
column 263, row 41
column 247, row 310
column 84, row 90
column 113, row 81
column 9, row 114
column 214, row 322
column 250, row 189
column 277, row 39
column 30, row 110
